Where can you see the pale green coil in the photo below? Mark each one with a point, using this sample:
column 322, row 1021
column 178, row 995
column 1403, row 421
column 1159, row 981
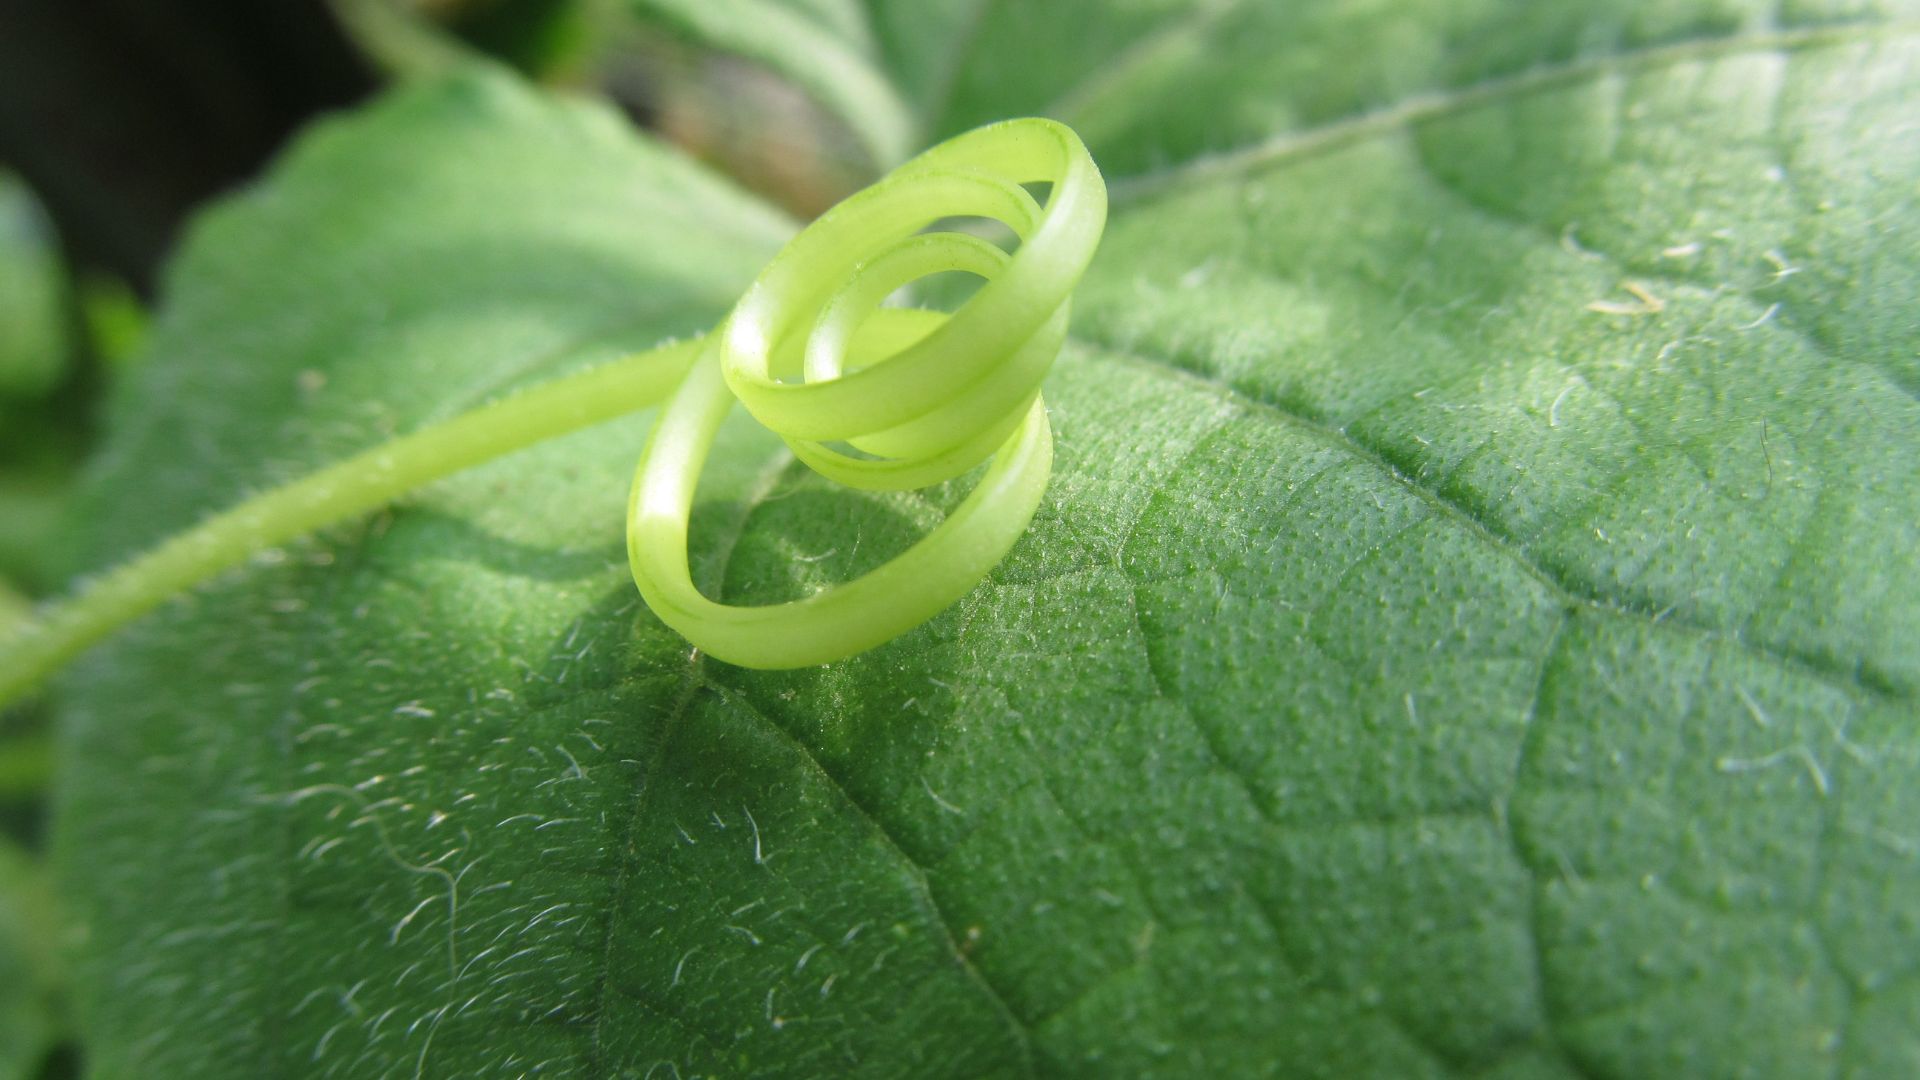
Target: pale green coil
column 922, row 396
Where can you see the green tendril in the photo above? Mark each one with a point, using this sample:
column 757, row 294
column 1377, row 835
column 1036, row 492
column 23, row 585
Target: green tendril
column 923, row 396
column 919, row 396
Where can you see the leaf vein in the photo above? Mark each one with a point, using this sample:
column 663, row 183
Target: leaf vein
column 1463, row 517
column 915, row 873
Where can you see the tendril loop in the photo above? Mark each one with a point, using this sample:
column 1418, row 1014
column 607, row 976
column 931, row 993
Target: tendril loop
column 916, row 397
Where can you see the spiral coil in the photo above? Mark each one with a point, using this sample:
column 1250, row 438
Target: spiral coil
column 920, row 396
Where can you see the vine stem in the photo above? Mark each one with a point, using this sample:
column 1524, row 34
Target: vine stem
column 354, row 486
column 876, row 399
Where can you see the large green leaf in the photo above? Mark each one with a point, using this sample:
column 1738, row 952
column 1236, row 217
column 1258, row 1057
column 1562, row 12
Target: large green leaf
column 1472, row 629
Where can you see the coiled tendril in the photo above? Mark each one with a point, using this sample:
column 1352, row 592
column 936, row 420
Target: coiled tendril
column 921, row 395
column 918, row 396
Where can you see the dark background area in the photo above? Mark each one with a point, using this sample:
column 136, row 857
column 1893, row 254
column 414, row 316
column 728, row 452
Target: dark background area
column 123, row 115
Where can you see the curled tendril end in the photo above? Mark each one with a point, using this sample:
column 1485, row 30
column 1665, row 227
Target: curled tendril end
column 878, row 398
column 884, row 398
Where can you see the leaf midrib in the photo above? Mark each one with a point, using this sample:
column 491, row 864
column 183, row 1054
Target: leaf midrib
column 1291, row 146
column 692, row 680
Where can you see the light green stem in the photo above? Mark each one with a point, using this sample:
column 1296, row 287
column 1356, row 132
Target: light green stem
column 355, row 486
column 919, row 397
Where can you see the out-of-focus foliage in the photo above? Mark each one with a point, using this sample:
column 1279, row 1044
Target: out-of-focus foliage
column 34, row 345
column 30, row 1016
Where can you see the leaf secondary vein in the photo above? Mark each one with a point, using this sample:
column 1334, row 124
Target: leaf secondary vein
column 1815, row 666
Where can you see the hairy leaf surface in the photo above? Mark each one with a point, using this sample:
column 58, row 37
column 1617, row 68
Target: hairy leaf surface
column 1471, row 630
